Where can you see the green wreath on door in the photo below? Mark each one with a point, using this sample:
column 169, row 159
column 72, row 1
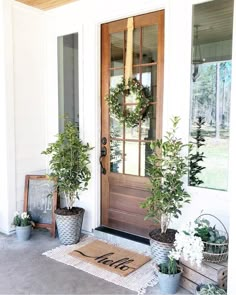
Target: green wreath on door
column 142, row 99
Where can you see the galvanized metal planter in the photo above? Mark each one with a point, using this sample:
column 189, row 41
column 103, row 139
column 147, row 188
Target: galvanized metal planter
column 23, row 233
column 69, row 227
column 159, row 250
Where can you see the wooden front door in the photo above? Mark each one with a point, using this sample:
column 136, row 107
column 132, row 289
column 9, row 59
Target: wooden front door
column 125, row 184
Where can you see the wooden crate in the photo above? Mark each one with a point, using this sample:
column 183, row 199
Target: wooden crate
column 206, row 273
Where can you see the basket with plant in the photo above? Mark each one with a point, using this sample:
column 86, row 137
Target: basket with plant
column 215, row 240
column 209, row 289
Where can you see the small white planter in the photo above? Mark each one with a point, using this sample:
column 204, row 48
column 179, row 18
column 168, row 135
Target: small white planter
column 23, row 233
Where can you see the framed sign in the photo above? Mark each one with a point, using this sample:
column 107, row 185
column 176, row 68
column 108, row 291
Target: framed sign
column 40, row 201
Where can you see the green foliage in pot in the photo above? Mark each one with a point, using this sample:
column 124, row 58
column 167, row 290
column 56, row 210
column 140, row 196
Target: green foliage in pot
column 22, row 219
column 69, row 163
column 210, row 289
column 171, row 267
column 208, row 233
column 167, row 166
column 215, row 241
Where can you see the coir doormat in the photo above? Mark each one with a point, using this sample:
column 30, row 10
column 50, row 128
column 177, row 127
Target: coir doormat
column 110, row 257
column 120, row 266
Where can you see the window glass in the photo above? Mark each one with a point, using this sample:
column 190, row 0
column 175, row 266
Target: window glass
column 68, row 97
column 210, row 93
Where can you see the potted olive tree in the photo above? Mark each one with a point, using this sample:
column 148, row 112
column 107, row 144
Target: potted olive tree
column 167, row 166
column 69, row 168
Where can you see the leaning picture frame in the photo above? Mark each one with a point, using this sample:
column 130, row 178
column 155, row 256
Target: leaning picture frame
column 40, row 201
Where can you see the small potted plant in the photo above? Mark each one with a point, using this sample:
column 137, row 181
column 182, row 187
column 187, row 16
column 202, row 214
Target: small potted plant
column 23, row 224
column 69, row 166
column 209, row 289
column 169, row 274
column 166, row 169
column 215, row 240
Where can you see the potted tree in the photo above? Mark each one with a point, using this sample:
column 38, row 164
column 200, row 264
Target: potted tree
column 167, row 166
column 69, row 167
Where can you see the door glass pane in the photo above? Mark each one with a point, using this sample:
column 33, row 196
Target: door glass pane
column 145, row 152
column 116, row 150
column 131, row 98
column 136, row 73
column 116, row 77
column 136, row 46
column 68, row 97
column 211, row 93
column 116, row 128
column 131, row 157
column 149, row 79
column 132, row 133
column 117, row 44
column 148, row 126
column 144, row 51
column 149, row 46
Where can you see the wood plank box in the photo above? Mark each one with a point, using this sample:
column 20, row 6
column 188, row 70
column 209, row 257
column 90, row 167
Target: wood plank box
column 215, row 273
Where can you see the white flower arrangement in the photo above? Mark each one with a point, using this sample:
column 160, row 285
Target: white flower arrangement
column 187, row 245
column 22, row 219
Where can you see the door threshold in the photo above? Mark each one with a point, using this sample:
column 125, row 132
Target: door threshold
column 124, row 235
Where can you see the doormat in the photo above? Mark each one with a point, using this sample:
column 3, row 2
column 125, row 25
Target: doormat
column 139, row 273
column 111, row 258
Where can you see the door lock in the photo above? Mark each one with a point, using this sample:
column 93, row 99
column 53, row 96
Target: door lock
column 103, row 154
column 104, row 141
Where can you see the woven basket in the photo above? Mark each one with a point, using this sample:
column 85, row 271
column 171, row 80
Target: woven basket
column 216, row 252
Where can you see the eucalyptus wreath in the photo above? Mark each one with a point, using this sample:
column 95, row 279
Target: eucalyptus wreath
column 142, row 101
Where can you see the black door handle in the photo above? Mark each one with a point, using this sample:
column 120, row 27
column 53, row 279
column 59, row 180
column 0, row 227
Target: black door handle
column 103, row 154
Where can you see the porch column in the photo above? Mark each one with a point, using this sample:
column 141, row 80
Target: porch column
column 7, row 145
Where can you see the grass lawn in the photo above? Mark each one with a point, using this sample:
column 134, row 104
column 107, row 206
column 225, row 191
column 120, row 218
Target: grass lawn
column 215, row 175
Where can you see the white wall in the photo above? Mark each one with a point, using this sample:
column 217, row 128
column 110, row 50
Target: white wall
column 7, row 151
column 30, row 99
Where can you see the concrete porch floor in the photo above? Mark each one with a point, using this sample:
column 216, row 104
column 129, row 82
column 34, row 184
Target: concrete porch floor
column 23, row 270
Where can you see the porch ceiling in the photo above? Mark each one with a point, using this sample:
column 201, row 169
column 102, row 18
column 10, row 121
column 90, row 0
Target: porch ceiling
column 215, row 20
column 46, row 4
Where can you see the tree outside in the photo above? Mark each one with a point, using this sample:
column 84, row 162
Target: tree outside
column 211, row 100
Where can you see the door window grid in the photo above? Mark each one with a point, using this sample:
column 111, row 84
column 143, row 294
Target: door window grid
column 126, row 141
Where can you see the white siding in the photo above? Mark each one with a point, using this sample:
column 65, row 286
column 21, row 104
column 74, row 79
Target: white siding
column 30, row 99
column 7, row 146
